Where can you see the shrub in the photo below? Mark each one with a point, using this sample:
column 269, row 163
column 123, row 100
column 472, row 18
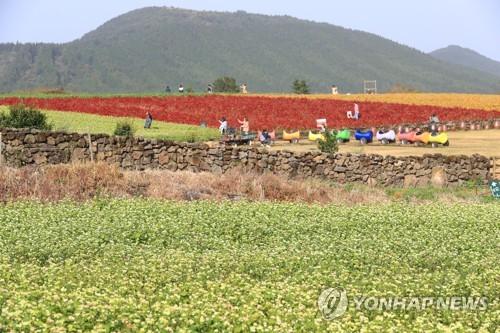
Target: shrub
column 328, row 146
column 21, row 116
column 124, row 128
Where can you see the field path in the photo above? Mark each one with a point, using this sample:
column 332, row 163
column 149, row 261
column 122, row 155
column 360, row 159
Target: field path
column 483, row 142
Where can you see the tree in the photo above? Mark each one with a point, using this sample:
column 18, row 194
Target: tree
column 225, row 85
column 300, row 87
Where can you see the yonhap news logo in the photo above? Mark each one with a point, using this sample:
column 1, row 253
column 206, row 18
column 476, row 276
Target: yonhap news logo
column 334, row 302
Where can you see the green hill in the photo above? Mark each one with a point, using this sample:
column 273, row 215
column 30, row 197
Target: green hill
column 467, row 58
column 147, row 49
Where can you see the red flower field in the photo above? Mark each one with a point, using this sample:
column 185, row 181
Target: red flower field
column 287, row 113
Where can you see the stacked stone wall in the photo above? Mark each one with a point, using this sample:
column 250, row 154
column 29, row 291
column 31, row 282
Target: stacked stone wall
column 32, row 147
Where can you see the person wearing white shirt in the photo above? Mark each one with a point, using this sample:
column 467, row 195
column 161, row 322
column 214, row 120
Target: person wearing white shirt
column 223, row 125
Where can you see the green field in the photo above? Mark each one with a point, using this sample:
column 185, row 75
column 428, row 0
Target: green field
column 81, row 122
column 145, row 265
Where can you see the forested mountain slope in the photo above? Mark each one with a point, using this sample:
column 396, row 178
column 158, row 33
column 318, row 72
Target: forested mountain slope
column 149, row 48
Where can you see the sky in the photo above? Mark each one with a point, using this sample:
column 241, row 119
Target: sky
column 425, row 25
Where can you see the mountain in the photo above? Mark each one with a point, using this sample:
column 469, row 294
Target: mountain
column 147, row 49
column 467, row 58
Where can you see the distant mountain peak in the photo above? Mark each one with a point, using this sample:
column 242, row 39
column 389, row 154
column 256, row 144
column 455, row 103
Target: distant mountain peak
column 468, row 58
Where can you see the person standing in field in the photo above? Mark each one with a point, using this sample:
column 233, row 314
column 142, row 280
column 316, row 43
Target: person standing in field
column 181, row 88
column 356, row 112
column 244, row 88
column 334, row 90
column 149, row 120
column 245, row 125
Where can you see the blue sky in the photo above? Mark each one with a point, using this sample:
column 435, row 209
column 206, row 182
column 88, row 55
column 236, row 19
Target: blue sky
column 426, row 25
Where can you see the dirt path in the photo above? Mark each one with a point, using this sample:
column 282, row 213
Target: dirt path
column 483, row 142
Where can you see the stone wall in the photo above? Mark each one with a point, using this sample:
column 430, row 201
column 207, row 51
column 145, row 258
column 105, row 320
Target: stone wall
column 33, row 147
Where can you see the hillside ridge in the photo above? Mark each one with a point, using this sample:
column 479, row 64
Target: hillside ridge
column 147, row 49
column 468, row 58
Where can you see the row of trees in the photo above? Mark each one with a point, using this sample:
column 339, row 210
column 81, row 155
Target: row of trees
column 228, row 85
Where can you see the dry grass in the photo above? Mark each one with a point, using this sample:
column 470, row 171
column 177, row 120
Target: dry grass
column 83, row 182
column 52, row 183
column 236, row 185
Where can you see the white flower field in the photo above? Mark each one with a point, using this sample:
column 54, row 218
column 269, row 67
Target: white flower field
column 144, row 265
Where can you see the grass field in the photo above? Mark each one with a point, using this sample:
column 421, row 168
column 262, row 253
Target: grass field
column 80, row 122
column 145, row 265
